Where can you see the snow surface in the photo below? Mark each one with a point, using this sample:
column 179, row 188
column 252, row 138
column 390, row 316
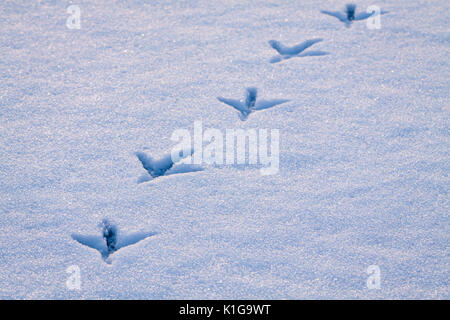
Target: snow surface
column 364, row 150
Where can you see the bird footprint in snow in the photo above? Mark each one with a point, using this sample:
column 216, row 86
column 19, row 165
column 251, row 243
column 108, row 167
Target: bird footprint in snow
column 295, row 51
column 110, row 240
column 165, row 166
column 250, row 104
column 349, row 14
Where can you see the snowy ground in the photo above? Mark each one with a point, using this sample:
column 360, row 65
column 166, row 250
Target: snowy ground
column 364, row 150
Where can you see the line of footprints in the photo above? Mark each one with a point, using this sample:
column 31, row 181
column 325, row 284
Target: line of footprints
column 110, row 240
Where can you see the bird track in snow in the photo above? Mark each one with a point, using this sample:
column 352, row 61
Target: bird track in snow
column 250, row 104
column 349, row 14
column 165, row 166
column 110, row 239
column 295, row 51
